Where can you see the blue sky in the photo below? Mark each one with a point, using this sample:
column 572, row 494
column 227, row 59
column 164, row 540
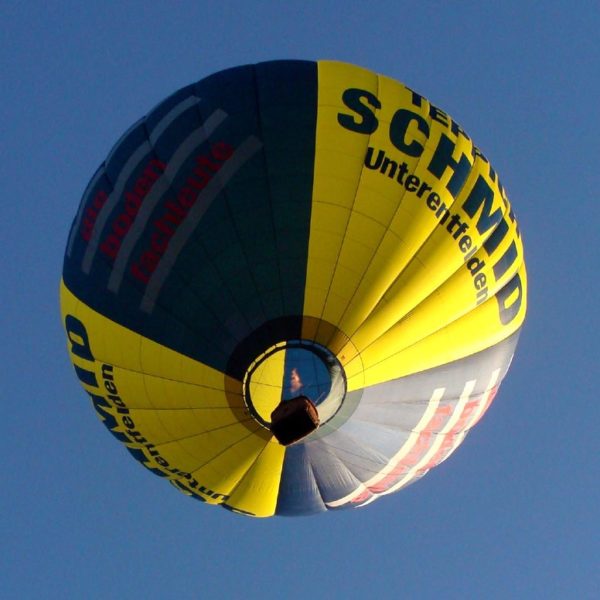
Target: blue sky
column 512, row 514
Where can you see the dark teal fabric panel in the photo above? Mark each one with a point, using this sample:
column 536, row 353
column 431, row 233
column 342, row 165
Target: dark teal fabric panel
column 197, row 224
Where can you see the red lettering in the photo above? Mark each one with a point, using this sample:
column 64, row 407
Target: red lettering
column 122, row 224
column 99, row 199
column 91, row 213
column 142, row 186
column 187, row 196
column 222, row 150
column 139, row 274
column 203, row 161
column 158, row 243
column 132, row 201
column 173, row 218
column 87, row 224
column 164, row 227
column 175, row 212
column 132, row 204
column 203, row 179
column 149, row 260
column 158, row 164
column 111, row 245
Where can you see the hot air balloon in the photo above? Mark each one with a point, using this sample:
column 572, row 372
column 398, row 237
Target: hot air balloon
column 293, row 287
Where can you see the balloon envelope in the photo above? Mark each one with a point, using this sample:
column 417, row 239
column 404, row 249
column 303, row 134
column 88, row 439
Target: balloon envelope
column 283, row 230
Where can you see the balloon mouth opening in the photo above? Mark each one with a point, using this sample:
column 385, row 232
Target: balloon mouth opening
column 293, row 387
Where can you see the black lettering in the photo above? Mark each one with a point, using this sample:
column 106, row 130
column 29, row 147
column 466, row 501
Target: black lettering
column 85, row 376
column 492, row 243
column 460, row 230
column 424, row 188
column 77, row 334
column 438, row 115
column 475, row 265
column 465, row 243
column 137, row 437
column 442, row 209
column 412, row 183
column 433, row 201
column 108, row 419
column 481, row 295
column 508, row 312
column 442, row 159
column 368, row 159
column 402, row 172
column 117, row 400
column 502, row 265
column 392, row 164
column 152, row 450
column 355, row 100
column 399, row 128
column 458, row 130
column 480, row 281
column 139, row 455
column 482, row 197
column 415, row 98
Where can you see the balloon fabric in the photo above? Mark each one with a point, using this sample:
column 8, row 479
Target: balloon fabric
column 306, row 248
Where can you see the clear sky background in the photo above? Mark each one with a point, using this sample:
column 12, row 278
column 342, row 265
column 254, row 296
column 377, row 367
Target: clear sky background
column 514, row 513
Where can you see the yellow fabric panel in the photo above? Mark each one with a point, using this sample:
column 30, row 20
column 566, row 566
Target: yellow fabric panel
column 473, row 332
column 450, row 301
column 149, row 392
column 433, row 263
column 226, row 457
column 126, row 353
column 377, row 255
column 375, row 202
column 167, row 425
column 258, row 490
column 383, row 230
column 185, row 426
column 163, row 362
column 117, row 345
column 339, row 155
column 266, row 384
column 166, row 410
column 413, row 236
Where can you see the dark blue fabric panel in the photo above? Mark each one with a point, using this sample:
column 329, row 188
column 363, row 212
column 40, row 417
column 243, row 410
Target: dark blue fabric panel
column 298, row 490
column 240, row 271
